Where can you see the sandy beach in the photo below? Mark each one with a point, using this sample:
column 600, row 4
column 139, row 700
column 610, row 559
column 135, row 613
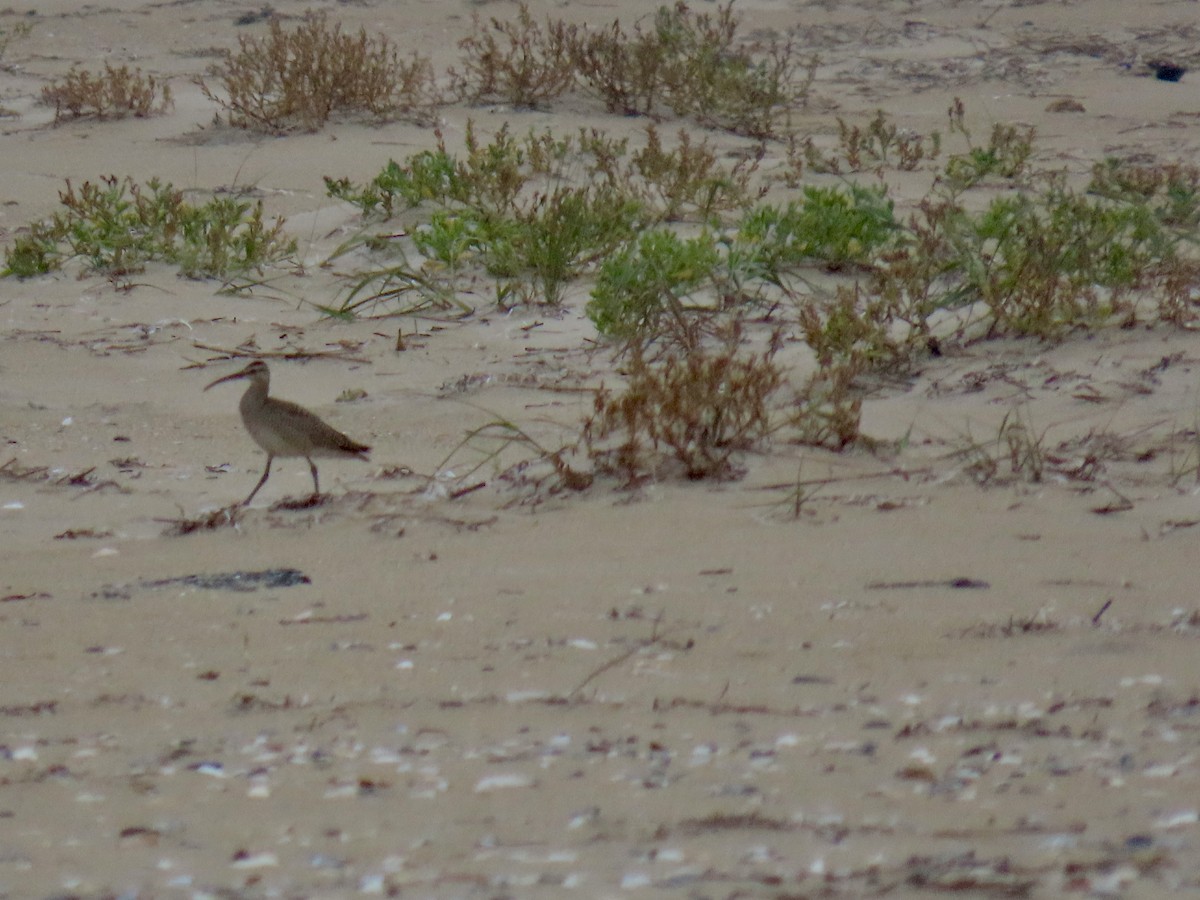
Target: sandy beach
column 874, row 672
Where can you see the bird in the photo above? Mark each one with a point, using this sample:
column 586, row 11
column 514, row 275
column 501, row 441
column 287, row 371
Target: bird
column 286, row 429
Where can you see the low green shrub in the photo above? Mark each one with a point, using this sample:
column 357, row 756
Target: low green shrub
column 116, row 226
column 641, row 289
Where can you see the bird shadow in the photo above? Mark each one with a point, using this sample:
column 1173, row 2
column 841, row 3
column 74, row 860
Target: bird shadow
column 231, row 516
column 225, row 517
column 312, row 501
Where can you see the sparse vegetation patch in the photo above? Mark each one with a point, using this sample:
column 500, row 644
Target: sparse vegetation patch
column 300, row 79
column 683, row 63
column 538, row 212
column 115, row 226
column 112, row 94
column 694, row 409
column 694, row 65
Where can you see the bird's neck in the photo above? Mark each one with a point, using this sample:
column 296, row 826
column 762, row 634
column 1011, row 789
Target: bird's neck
column 255, row 396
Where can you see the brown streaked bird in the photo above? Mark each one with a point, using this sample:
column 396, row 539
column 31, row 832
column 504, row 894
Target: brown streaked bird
column 283, row 428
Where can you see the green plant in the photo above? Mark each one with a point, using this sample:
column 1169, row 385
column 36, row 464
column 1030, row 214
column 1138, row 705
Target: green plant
column 116, row 226
column 1037, row 263
column 1006, row 154
column 506, row 174
column 33, row 253
column 831, row 227
column 1170, row 190
column 640, row 289
column 1044, row 266
column 540, row 247
column 224, row 236
column 539, row 211
column 697, row 407
column 1170, row 193
column 115, row 93
column 299, row 79
column 556, row 235
column 448, row 238
column 506, row 204
column 429, row 175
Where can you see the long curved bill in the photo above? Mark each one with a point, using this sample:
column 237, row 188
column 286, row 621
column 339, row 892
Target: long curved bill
column 244, row 373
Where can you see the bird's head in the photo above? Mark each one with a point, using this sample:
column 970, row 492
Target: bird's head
column 256, row 371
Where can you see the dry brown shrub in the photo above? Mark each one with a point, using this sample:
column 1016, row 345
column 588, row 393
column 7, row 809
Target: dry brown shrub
column 697, row 407
column 299, row 79
column 516, row 62
column 114, row 93
column 827, row 411
column 693, row 64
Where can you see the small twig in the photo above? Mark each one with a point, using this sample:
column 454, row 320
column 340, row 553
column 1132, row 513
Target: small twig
column 1123, row 504
column 655, row 638
column 12, row 471
column 960, row 583
column 906, row 474
column 462, row 492
column 515, row 435
column 239, row 353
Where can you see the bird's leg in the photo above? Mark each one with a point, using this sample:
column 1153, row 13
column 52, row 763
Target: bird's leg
column 316, row 484
column 261, row 481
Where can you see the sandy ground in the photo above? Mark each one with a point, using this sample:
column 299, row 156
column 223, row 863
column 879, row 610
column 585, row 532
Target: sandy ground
column 895, row 681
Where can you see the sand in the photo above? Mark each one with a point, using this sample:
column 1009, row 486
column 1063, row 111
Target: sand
column 905, row 676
